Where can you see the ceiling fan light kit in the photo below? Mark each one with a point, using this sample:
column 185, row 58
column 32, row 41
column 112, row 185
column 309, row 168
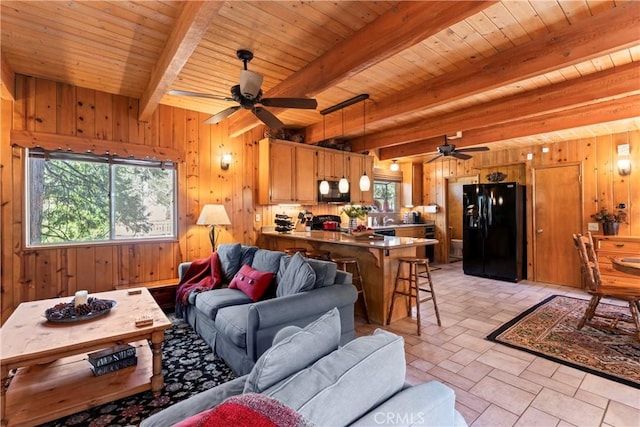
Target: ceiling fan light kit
column 249, row 93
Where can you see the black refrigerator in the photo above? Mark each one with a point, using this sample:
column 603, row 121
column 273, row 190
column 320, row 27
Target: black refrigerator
column 494, row 244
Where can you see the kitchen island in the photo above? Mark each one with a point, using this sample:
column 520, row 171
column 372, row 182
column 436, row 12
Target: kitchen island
column 378, row 259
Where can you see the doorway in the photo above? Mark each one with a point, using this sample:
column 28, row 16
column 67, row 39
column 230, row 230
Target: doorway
column 557, row 207
column 452, row 250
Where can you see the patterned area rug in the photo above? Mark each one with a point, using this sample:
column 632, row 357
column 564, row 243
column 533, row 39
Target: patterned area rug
column 189, row 367
column 548, row 330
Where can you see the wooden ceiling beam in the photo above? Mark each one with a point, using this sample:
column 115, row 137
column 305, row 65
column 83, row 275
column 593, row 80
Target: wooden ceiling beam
column 191, row 26
column 602, row 112
column 609, row 84
column 407, row 24
column 588, row 38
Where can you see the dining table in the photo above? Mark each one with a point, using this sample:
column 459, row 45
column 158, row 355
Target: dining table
column 629, row 265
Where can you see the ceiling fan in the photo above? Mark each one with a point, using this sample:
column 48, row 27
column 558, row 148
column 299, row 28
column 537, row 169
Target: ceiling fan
column 248, row 94
column 449, row 150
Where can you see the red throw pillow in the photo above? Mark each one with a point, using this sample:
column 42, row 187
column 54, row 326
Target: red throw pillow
column 252, row 282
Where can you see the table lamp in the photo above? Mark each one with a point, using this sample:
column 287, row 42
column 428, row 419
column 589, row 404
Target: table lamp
column 213, row 215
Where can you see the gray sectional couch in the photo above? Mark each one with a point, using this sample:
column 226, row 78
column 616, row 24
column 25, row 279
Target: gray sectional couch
column 361, row 383
column 239, row 330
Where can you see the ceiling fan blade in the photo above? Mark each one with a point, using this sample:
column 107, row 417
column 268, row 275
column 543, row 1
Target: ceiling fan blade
column 460, row 156
column 435, row 158
column 217, row 118
column 473, row 149
column 199, row 95
column 268, row 118
column 307, row 103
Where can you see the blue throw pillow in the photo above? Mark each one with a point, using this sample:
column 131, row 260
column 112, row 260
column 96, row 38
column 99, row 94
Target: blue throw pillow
column 266, row 260
column 298, row 277
column 246, row 255
column 230, row 255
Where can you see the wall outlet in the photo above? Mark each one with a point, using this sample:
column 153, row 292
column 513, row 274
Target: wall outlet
column 593, row 226
column 258, row 217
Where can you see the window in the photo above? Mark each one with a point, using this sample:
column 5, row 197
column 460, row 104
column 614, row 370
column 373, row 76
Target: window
column 79, row 198
column 386, row 195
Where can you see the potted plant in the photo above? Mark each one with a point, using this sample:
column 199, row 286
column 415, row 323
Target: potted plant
column 610, row 220
column 354, row 213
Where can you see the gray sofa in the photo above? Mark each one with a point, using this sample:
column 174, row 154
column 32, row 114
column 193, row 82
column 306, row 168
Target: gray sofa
column 359, row 384
column 239, row 330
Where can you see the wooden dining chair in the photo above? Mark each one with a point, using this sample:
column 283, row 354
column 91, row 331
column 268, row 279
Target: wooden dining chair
column 599, row 289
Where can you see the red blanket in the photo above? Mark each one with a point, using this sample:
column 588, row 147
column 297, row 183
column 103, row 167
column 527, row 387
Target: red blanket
column 202, row 275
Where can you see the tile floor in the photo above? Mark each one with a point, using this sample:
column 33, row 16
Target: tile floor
column 496, row 385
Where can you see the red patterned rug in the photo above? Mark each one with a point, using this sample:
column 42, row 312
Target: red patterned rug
column 548, row 330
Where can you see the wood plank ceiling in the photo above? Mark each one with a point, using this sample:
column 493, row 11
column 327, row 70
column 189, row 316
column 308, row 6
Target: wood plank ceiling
column 504, row 73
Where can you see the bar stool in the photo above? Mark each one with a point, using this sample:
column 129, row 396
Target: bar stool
column 292, row 251
column 415, row 286
column 343, row 263
column 319, row 254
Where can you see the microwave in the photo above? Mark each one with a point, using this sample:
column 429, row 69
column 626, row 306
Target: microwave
column 334, row 195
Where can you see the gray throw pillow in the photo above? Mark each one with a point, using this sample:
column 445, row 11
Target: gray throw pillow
column 246, row 255
column 298, row 277
column 325, row 272
column 292, row 352
column 229, row 255
column 265, row 260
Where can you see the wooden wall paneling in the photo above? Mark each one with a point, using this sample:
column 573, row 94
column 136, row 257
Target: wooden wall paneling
column 633, row 209
column 178, row 128
column 191, row 166
column 20, row 103
column 104, row 115
column 150, row 262
column 8, row 260
column 132, row 130
column 179, row 138
column 209, row 187
column 250, row 180
column 104, row 279
column 85, row 112
column 121, row 261
column 589, row 179
column 604, row 166
column 120, row 118
column 44, row 279
column 68, row 270
column 165, row 126
column 66, row 101
column 86, row 271
column 620, row 189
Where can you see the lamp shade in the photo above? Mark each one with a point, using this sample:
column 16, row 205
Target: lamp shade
column 213, row 215
column 365, row 182
column 343, row 185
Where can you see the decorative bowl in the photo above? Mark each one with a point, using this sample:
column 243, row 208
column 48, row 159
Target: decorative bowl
column 496, row 176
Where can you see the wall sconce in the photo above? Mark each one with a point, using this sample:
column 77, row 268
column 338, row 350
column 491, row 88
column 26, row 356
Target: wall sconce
column 225, row 159
column 624, row 163
column 394, row 166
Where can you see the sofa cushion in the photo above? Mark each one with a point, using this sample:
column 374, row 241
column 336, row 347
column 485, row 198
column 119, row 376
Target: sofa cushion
column 252, row 282
column 297, row 277
column 265, row 260
column 230, row 255
column 232, row 322
column 295, row 352
column 246, row 254
column 325, row 272
column 351, row 380
column 211, row 301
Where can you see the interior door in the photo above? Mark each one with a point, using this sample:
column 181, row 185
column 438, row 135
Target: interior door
column 557, row 207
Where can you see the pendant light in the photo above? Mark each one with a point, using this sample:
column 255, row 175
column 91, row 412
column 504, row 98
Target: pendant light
column 324, row 184
column 365, row 182
column 343, row 184
column 394, row 166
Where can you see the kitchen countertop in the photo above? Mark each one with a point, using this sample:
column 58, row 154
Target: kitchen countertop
column 389, row 242
column 399, row 225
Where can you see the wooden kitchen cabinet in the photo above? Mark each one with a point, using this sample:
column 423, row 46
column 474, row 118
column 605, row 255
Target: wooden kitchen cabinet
column 608, row 247
column 331, row 164
column 357, row 164
column 412, row 185
column 286, row 173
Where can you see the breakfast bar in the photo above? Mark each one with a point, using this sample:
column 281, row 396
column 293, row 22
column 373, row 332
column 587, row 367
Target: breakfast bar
column 377, row 256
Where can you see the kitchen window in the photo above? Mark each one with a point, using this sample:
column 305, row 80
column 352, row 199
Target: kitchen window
column 87, row 198
column 386, row 195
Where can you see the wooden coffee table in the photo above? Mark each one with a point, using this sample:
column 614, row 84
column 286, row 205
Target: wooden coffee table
column 47, row 365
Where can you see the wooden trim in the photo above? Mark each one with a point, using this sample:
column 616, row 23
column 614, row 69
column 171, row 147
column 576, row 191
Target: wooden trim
column 51, row 141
